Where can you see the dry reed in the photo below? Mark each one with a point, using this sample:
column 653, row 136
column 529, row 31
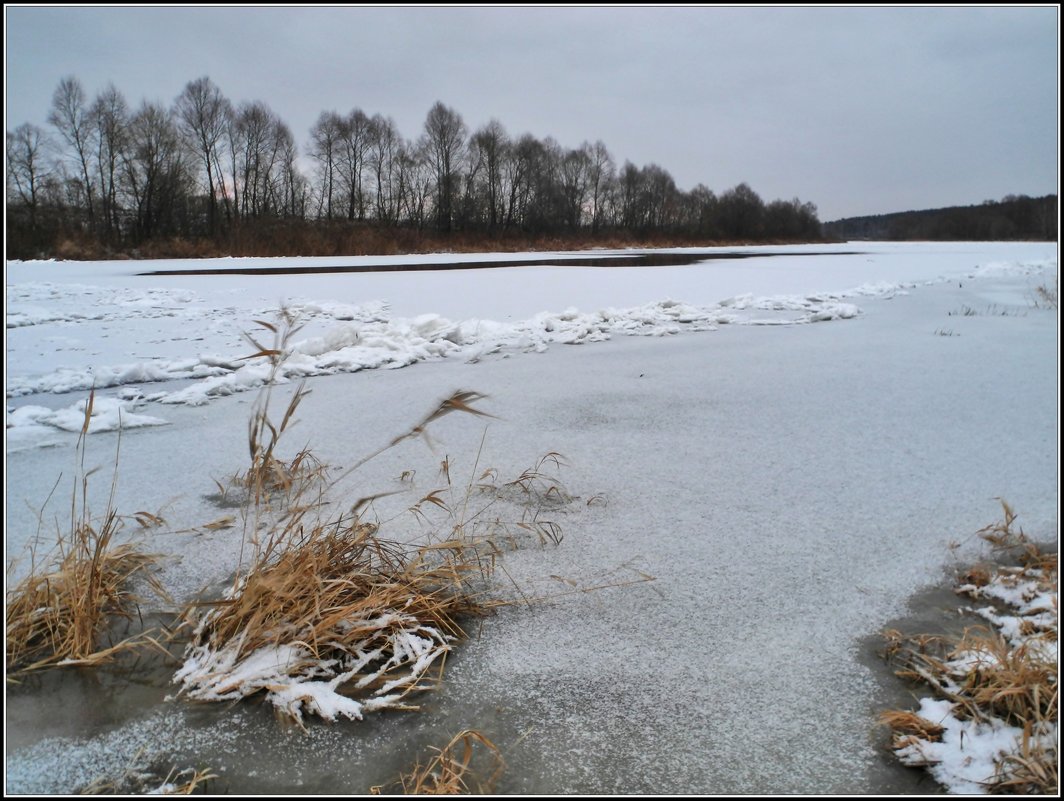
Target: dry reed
column 451, row 770
column 1048, row 296
column 137, row 780
column 327, row 618
column 60, row 612
column 335, row 622
column 995, row 678
column 268, row 475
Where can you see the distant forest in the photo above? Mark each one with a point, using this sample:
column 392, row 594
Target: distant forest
column 1014, row 217
column 207, row 177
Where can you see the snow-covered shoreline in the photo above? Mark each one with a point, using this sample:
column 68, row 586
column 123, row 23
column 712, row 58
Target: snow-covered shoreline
column 990, row 724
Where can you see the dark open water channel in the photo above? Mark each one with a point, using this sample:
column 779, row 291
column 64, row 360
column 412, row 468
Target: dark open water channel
column 648, row 259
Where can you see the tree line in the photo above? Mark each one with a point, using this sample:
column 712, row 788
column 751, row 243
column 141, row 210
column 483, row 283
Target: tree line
column 1014, row 217
column 108, row 178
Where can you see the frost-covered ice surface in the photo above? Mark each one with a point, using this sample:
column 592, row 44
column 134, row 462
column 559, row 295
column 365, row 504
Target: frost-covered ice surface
column 788, row 485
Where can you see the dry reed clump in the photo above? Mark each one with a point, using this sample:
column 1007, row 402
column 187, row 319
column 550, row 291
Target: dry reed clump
column 327, row 618
column 58, row 615
column 987, row 677
column 268, row 475
column 469, row 515
column 1032, row 770
column 997, row 686
column 910, row 724
column 61, row 611
column 150, row 780
column 330, row 619
column 1009, row 540
column 334, row 622
column 1047, row 297
column 452, row 769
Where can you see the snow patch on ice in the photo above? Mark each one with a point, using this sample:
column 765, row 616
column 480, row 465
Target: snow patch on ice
column 1012, row 268
column 108, row 414
column 67, row 379
column 966, row 758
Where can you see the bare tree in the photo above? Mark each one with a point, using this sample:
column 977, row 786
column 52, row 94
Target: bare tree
column 630, row 192
column 575, row 180
column 741, row 213
column 203, row 114
column 356, row 135
column 384, row 151
column 516, row 169
column 491, row 146
column 110, row 115
column 72, row 118
column 415, row 181
column 700, row 212
column 232, row 140
column 261, row 141
column 155, row 174
column 292, row 180
column 445, row 135
column 27, row 169
column 659, row 200
column 325, row 143
column 600, row 175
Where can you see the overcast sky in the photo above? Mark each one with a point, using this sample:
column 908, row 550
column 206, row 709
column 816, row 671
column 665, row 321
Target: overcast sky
column 859, row 110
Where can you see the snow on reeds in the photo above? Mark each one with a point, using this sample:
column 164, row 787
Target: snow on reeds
column 61, row 612
column 992, row 723
column 335, row 622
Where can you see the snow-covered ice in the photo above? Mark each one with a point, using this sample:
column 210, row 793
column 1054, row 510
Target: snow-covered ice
column 125, row 330
column 789, row 486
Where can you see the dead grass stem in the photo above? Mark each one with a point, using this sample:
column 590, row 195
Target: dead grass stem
column 60, row 612
column 469, row 764
column 150, row 780
column 1047, row 296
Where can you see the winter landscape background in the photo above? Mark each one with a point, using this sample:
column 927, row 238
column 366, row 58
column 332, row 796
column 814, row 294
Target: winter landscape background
column 789, row 486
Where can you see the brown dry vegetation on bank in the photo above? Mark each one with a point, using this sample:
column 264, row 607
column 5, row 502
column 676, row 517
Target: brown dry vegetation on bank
column 1002, row 674
column 62, row 611
column 289, row 238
